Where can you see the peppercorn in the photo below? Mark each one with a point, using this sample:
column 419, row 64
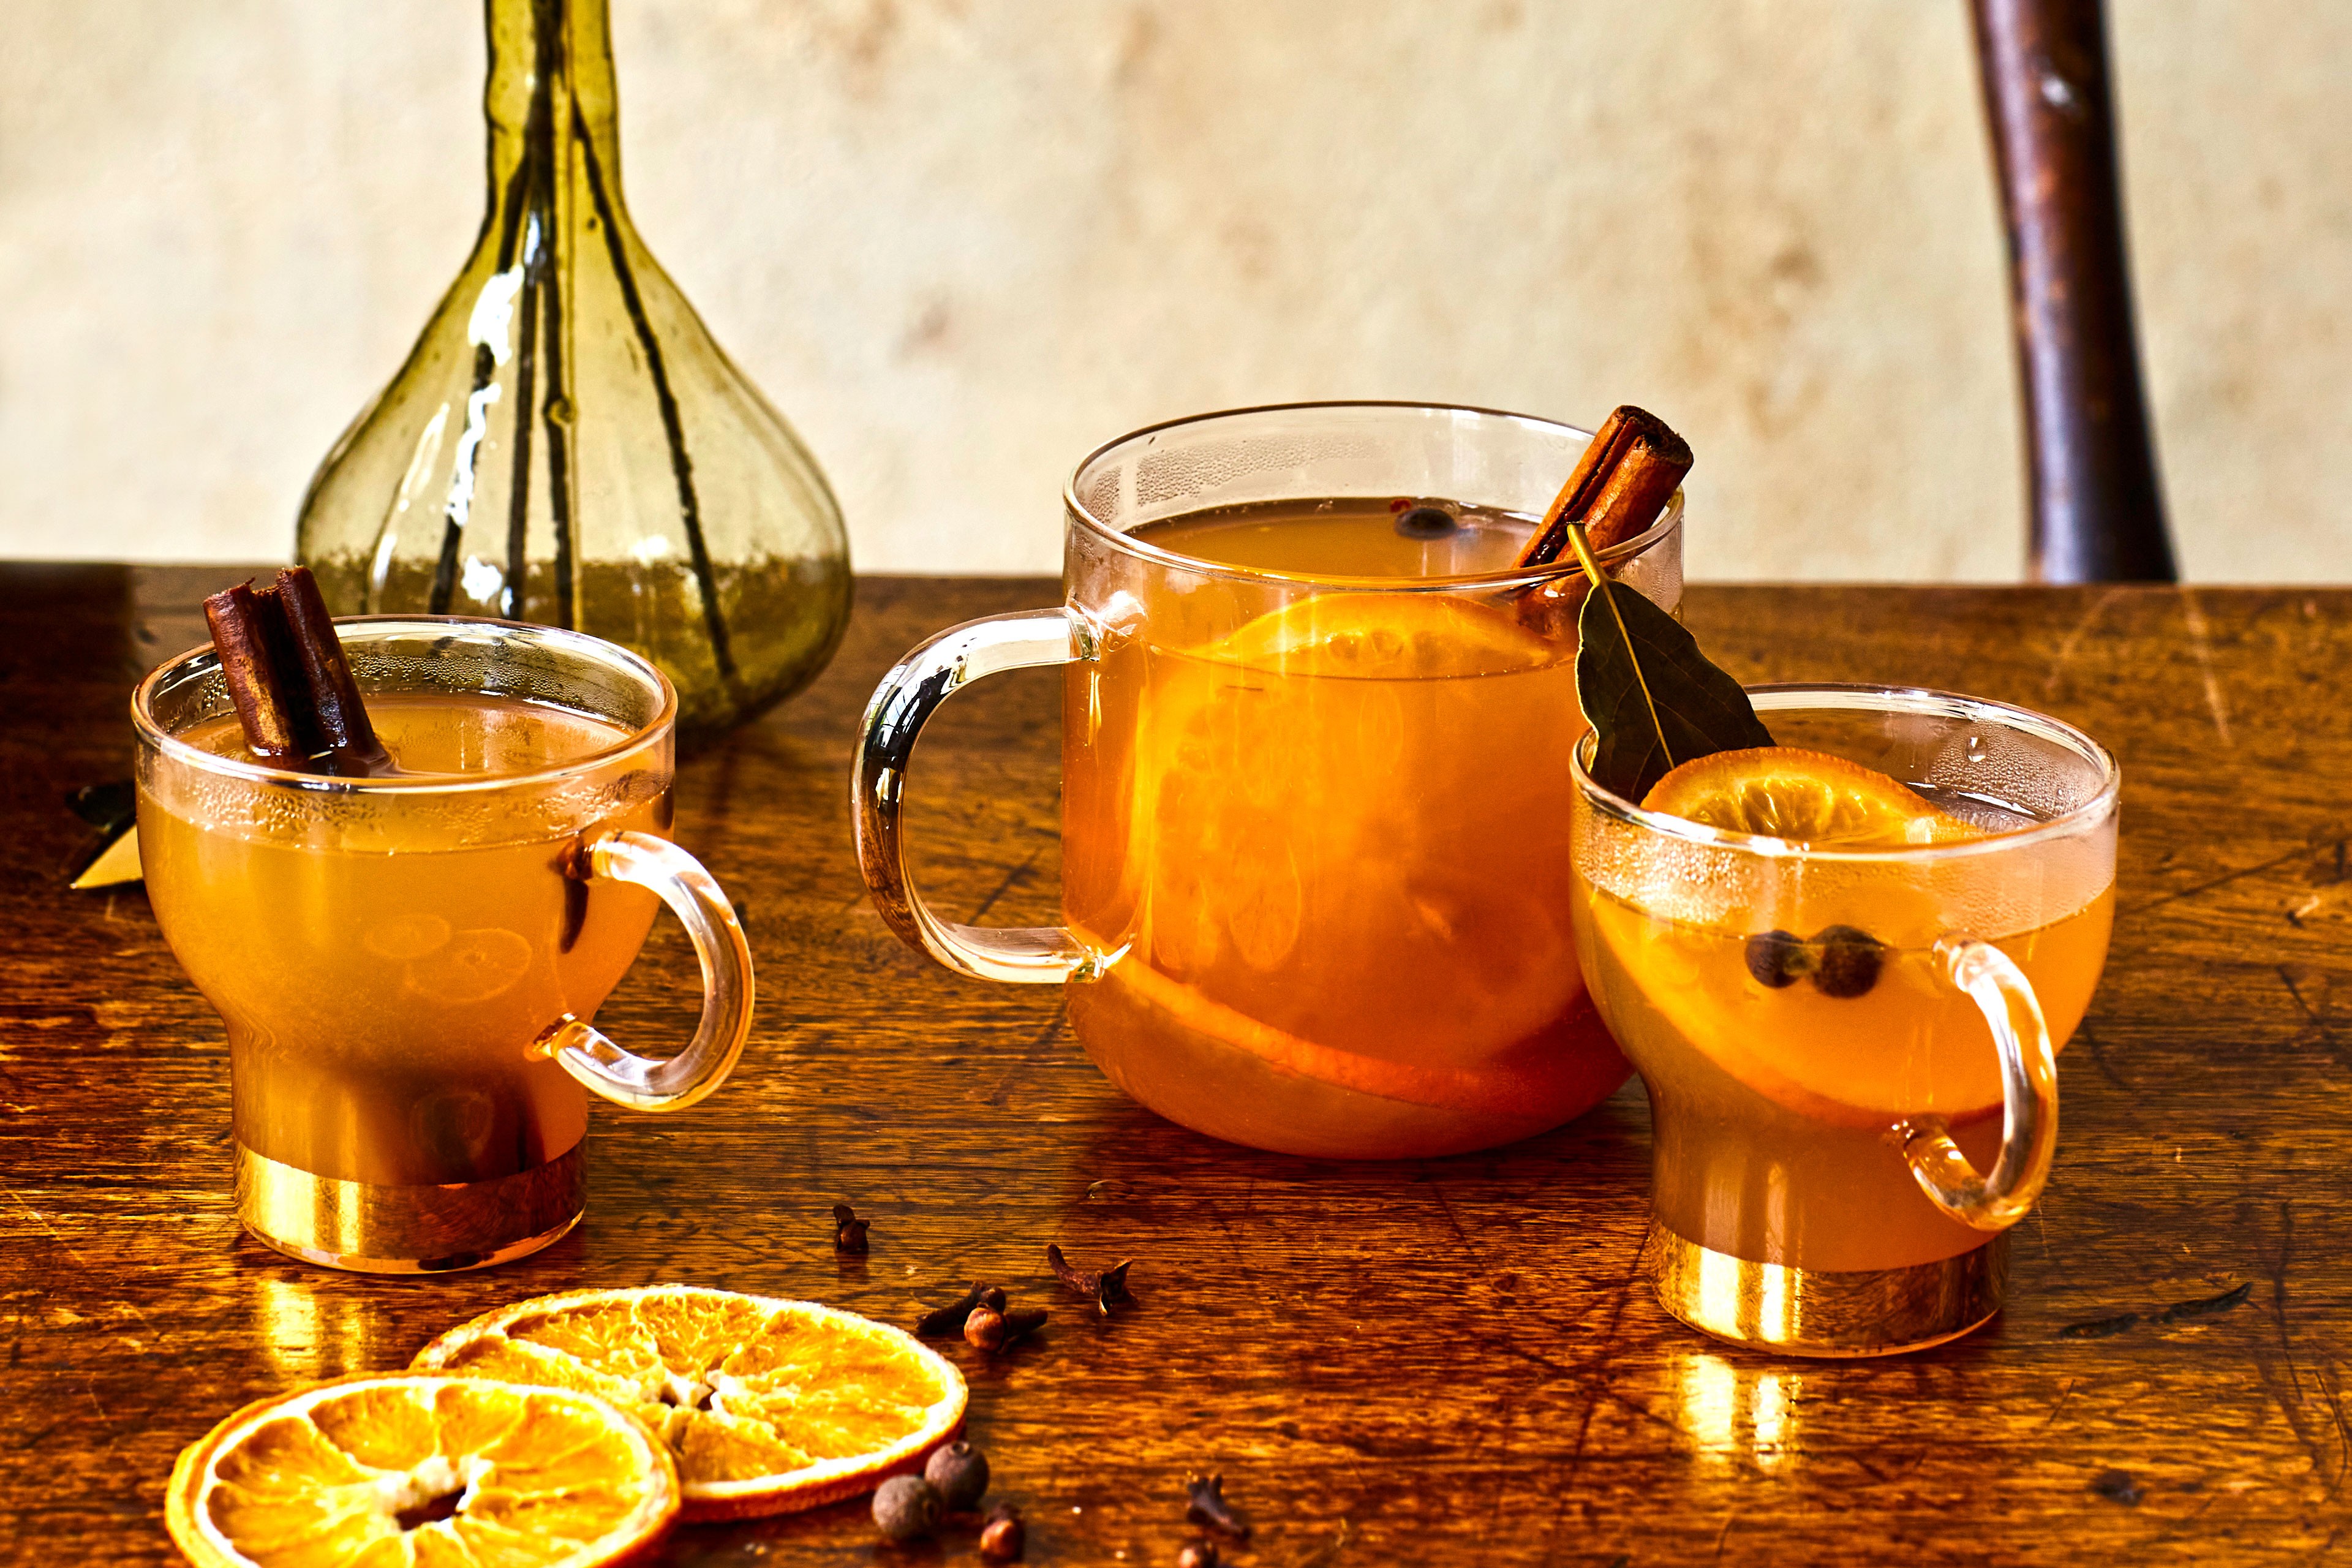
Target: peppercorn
column 959, row 1473
column 906, row 1507
column 1002, row 1538
column 1850, row 961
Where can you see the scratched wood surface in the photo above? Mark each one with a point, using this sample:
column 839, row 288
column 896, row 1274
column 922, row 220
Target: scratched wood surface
column 1450, row 1361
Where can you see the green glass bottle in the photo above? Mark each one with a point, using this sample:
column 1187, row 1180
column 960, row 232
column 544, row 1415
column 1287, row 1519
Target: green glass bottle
column 566, row 444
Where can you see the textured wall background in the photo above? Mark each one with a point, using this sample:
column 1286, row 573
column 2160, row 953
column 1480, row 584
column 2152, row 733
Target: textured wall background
column 960, row 242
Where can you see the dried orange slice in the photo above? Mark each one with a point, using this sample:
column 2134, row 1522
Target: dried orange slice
column 770, row 1406
column 1807, row 798
column 405, row 1471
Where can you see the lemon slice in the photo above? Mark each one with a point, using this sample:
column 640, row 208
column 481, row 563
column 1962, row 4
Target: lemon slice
column 769, row 1405
column 1807, row 798
column 405, row 1471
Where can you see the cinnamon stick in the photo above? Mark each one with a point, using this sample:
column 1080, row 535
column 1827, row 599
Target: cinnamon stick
column 289, row 680
column 1628, row 473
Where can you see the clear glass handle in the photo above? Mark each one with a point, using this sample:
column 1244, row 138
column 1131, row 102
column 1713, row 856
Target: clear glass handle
column 645, row 1083
column 2029, row 1094
column 906, row 699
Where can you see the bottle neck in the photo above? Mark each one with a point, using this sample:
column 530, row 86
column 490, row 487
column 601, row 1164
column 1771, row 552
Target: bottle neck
column 550, row 88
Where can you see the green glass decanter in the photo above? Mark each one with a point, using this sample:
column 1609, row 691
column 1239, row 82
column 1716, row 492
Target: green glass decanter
column 566, row 444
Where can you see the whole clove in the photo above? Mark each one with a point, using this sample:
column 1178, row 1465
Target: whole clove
column 1102, row 1288
column 993, row 1299
column 1002, row 1538
column 1208, row 1506
column 950, row 1320
column 992, row 1331
column 848, row 1230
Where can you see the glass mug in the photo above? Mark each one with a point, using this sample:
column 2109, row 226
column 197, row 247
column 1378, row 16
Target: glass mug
column 405, row 964
column 1314, row 867
column 1820, row 1123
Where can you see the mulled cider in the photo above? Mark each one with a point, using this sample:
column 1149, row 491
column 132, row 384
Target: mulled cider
column 1318, row 710
column 1327, row 838
column 380, row 1037
column 405, row 959
column 1843, row 965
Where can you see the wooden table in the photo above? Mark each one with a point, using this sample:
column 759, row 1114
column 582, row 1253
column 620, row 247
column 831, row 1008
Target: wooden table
column 1447, row 1362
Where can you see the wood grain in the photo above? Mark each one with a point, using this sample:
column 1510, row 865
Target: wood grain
column 1449, row 1361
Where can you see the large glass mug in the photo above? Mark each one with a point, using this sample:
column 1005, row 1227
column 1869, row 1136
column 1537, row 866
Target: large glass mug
column 1851, row 1055
column 1315, row 863
column 405, row 964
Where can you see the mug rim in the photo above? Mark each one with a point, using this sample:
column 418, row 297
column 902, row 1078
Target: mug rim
column 151, row 734
column 1778, row 696
column 1668, row 524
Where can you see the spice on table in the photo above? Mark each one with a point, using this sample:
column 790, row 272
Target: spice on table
column 1102, row 1288
column 1208, row 1506
column 959, row 1473
column 1199, row 1555
column 848, row 1230
column 994, row 1298
column 951, row 1319
column 992, row 1331
column 1002, row 1538
column 290, row 681
column 906, row 1507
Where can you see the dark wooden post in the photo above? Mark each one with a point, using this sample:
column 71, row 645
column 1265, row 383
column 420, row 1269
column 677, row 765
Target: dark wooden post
column 2098, row 509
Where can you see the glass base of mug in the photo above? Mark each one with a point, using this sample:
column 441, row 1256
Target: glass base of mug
column 372, row 1229
column 1823, row 1311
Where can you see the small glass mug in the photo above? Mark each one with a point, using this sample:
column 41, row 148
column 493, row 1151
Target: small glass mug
column 404, row 965
column 1811, row 1025
column 1315, row 902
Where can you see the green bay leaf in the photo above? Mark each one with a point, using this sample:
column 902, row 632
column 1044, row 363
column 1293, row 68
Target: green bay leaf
column 1654, row 701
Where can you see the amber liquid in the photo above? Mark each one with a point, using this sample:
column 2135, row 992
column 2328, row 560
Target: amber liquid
column 382, row 1001
column 1770, row 1106
column 1329, row 845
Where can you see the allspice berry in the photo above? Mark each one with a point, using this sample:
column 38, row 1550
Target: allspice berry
column 1200, row 1555
column 959, row 1473
column 906, row 1507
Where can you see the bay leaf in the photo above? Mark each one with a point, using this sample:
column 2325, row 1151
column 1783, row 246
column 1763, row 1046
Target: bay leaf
column 1654, row 701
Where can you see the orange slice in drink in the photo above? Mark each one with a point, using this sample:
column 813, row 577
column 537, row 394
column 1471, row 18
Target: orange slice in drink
column 1853, row 1022
column 770, row 1406
column 1385, row 636
column 1301, row 789
column 1256, row 778
column 422, row 1472
column 1807, row 798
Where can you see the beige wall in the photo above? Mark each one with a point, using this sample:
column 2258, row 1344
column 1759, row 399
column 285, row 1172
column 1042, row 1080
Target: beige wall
column 960, row 241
